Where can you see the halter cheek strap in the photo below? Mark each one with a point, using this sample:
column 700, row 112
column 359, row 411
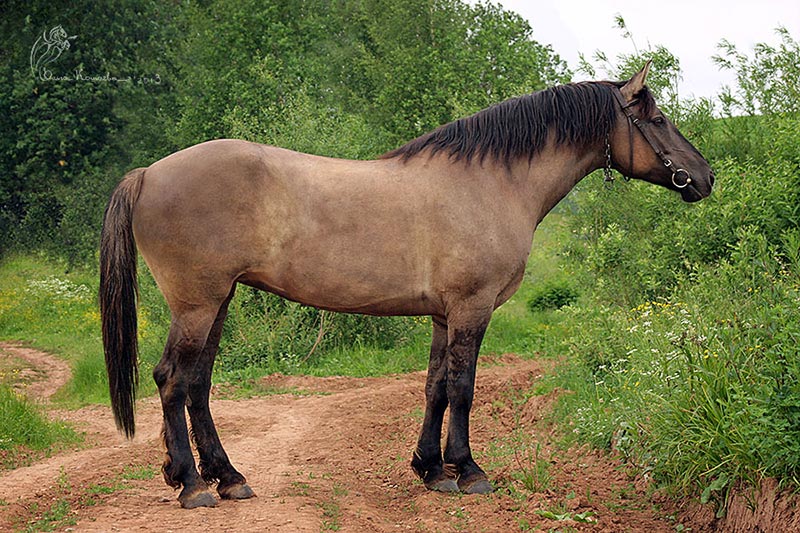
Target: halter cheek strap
column 644, row 128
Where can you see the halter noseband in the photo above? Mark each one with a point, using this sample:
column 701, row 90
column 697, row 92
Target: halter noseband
column 651, row 140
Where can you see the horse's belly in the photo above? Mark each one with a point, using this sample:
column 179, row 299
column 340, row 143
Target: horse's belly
column 346, row 293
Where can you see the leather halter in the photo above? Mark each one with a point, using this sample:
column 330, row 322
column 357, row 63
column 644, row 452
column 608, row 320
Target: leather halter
column 644, row 129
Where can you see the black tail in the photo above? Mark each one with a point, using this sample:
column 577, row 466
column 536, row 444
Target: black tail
column 118, row 294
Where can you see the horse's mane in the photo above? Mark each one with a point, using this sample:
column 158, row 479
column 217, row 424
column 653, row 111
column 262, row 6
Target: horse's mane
column 577, row 114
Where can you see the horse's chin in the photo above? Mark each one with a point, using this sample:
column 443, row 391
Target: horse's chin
column 691, row 195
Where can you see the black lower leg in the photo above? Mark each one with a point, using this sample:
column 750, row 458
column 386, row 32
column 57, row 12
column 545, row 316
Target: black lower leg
column 173, row 378
column 427, row 461
column 462, row 356
column 215, row 467
column 214, row 463
column 179, row 468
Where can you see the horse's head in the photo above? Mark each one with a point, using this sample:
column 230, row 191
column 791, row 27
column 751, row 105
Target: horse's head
column 645, row 144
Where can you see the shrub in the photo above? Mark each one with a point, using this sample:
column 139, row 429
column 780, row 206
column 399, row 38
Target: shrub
column 265, row 331
column 552, row 295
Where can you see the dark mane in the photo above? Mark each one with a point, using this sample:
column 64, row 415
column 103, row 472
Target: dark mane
column 577, row 114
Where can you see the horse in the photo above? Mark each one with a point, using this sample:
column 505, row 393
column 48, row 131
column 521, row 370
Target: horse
column 441, row 226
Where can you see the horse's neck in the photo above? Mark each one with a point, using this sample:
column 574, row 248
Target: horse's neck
column 551, row 175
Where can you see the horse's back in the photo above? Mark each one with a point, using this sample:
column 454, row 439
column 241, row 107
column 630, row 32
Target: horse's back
column 378, row 237
column 327, row 232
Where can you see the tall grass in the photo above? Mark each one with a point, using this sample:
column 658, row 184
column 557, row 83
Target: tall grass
column 26, row 432
column 701, row 387
column 54, row 308
column 683, row 349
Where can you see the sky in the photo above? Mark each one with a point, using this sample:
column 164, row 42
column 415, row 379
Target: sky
column 690, row 29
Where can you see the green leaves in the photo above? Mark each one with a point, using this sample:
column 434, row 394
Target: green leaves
column 63, row 138
column 766, row 83
column 350, row 79
column 685, row 347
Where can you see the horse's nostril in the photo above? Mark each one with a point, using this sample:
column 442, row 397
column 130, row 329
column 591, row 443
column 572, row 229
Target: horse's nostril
column 711, row 178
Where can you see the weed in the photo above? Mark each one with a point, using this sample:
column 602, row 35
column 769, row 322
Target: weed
column 238, row 389
column 339, row 490
column 331, row 515
column 558, row 513
column 533, row 470
column 462, row 519
column 299, row 488
column 57, row 516
column 552, row 295
column 417, row 414
column 142, row 472
column 96, row 490
column 26, row 432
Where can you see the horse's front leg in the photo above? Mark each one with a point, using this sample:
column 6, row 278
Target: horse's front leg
column 465, row 333
column 427, row 461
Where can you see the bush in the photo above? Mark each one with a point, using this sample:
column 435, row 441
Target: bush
column 265, row 331
column 685, row 356
column 552, row 295
column 704, row 385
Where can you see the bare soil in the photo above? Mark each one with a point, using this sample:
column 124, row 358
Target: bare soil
column 41, row 375
column 333, row 454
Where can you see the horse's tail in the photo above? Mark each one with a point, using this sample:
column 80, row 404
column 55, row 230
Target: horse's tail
column 118, row 294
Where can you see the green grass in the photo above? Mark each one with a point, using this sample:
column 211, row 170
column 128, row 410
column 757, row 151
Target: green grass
column 139, row 473
column 26, row 432
column 701, row 389
column 47, row 306
column 249, row 387
column 57, row 516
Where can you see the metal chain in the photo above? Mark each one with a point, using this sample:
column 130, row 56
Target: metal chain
column 608, row 177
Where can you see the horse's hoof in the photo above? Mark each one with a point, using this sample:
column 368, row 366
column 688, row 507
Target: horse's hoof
column 442, row 485
column 201, row 498
column 480, row 485
column 237, row 491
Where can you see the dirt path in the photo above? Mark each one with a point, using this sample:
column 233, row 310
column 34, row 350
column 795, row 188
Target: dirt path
column 334, row 455
column 42, row 374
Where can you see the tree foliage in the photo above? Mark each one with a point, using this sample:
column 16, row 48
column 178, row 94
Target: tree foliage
column 67, row 127
column 136, row 80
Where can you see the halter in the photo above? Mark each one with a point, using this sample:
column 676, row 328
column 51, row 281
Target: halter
column 644, row 128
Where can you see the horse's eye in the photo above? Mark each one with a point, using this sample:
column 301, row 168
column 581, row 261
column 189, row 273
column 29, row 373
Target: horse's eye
column 658, row 121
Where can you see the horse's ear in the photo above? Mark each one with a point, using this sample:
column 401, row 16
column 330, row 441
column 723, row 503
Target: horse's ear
column 636, row 83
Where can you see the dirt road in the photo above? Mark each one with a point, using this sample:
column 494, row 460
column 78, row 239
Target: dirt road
column 333, row 454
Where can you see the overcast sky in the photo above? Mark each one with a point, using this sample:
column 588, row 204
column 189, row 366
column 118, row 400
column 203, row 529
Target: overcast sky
column 690, row 29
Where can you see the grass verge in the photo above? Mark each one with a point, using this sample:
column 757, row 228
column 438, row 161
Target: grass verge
column 26, row 433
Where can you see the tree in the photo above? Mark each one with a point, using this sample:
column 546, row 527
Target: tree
column 69, row 93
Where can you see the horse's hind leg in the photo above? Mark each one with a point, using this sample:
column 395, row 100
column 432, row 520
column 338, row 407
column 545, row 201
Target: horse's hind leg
column 174, row 374
column 214, row 463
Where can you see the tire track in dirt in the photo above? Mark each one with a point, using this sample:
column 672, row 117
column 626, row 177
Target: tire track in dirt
column 335, row 456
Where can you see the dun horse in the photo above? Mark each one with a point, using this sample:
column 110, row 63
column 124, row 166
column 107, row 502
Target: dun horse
column 442, row 226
